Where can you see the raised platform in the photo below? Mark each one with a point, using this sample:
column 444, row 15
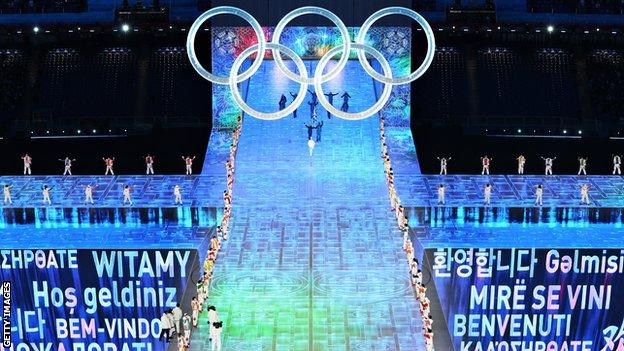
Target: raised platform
column 128, row 217
column 562, row 191
column 111, row 237
column 152, row 196
column 500, row 216
column 513, row 200
column 147, row 191
column 415, row 190
column 291, row 275
column 600, row 236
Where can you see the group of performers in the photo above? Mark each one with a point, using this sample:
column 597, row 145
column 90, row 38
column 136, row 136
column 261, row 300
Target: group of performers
column 109, row 163
column 175, row 321
column 88, row 194
column 539, row 189
column 539, row 194
column 548, row 164
column 402, row 223
column 313, row 125
column 313, row 102
column 197, row 304
column 421, row 290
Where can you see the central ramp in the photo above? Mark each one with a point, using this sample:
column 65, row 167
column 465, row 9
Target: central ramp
column 314, row 260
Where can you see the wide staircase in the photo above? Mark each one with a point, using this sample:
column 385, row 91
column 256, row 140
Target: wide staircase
column 314, row 259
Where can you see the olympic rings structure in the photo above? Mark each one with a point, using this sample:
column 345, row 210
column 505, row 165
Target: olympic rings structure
column 319, row 77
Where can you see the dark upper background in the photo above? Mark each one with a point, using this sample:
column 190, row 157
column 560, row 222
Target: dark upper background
column 496, row 76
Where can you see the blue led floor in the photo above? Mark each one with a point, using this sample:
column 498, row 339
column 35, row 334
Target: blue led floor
column 314, row 260
column 315, row 179
column 510, row 190
column 147, row 191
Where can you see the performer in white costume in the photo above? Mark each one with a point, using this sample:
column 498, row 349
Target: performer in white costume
column 617, row 162
column 443, row 164
column 521, row 161
column 177, row 192
column 487, row 194
column 7, row 195
column 539, row 194
column 441, row 194
column 68, row 164
column 582, row 165
column 548, row 164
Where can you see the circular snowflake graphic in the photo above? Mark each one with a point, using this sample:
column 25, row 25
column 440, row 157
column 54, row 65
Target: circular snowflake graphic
column 226, row 41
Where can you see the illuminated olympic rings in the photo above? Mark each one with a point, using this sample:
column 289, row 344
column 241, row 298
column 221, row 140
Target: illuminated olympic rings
column 319, row 78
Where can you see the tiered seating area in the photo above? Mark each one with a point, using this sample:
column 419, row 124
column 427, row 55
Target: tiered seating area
column 498, row 74
column 153, row 84
column 115, row 69
column 576, row 6
column 424, row 5
column 481, row 86
column 606, row 71
column 66, row 88
column 42, row 6
column 495, row 86
column 557, row 6
column 12, row 70
column 174, row 87
column 557, row 66
column 60, row 81
column 540, row 84
column 442, row 89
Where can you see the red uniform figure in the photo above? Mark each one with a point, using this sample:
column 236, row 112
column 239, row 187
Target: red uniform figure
column 485, row 161
column 149, row 164
column 27, row 163
column 109, row 162
column 188, row 161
